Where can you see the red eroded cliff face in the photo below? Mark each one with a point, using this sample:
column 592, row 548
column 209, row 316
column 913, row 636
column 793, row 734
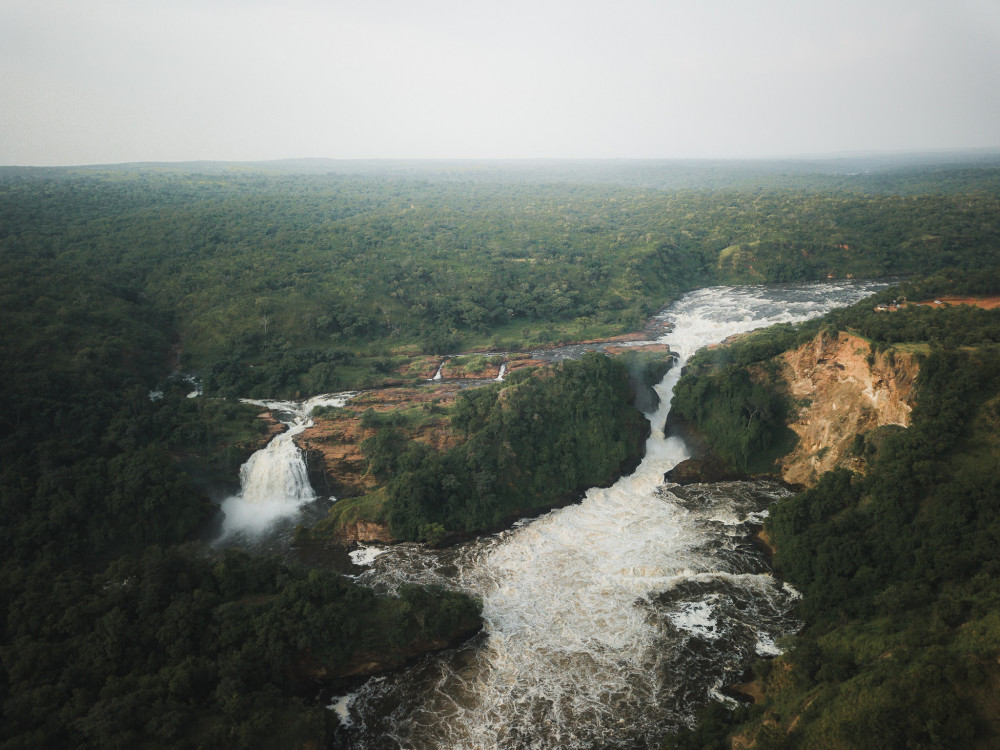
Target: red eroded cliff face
column 333, row 443
column 337, row 464
column 274, row 427
column 842, row 393
column 365, row 531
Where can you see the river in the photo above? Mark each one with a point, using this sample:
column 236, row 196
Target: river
column 609, row 622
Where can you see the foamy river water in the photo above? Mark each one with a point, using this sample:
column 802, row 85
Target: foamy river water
column 608, row 622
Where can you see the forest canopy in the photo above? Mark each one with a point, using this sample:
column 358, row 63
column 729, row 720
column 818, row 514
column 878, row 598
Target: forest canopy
column 275, row 282
column 281, row 280
column 526, row 444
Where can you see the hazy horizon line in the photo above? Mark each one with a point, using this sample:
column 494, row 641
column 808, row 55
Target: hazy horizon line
column 791, row 157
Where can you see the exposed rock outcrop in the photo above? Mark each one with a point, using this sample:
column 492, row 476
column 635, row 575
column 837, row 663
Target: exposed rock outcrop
column 274, row 427
column 843, row 391
column 332, row 446
column 365, row 665
column 709, row 468
column 364, row 531
column 840, row 390
column 704, row 465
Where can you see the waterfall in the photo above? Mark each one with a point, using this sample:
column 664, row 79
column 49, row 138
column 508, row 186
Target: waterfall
column 274, row 482
column 607, row 623
column 503, row 371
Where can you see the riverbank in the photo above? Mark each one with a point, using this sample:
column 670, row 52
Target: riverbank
column 895, row 416
column 363, row 449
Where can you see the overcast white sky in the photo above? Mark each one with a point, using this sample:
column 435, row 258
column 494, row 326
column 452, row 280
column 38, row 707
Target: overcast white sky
column 102, row 81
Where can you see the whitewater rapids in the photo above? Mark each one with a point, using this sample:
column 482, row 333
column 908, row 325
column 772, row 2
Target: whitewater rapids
column 607, row 623
column 274, row 482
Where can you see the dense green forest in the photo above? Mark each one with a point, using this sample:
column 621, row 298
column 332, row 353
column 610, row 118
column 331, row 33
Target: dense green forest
column 277, row 280
column 898, row 566
column 531, row 442
column 173, row 649
column 112, row 636
column 279, row 283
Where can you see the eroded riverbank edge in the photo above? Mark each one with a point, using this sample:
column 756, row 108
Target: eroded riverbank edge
column 338, row 446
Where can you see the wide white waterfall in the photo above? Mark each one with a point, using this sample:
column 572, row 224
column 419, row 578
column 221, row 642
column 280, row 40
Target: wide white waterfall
column 274, row 483
column 607, row 622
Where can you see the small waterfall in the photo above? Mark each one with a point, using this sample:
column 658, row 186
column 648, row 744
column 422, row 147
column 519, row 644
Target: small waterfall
column 277, row 472
column 274, row 482
column 500, row 375
column 437, row 375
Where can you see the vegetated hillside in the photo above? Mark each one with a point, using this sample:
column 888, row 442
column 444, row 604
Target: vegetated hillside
column 510, row 449
column 280, row 283
column 333, row 444
column 796, row 414
column 898, row 565
column 170, row 648
column 111, row 635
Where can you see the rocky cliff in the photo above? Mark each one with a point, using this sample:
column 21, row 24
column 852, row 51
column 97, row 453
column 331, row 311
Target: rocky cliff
column 842, row 390
column 332, row 446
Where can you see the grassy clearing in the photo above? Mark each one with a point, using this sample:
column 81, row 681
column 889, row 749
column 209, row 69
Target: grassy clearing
column 369, row 508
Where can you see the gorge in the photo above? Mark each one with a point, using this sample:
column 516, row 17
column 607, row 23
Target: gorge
column 610, row 621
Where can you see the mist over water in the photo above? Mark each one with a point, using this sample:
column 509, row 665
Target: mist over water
column 610, row 621
column 274, row 482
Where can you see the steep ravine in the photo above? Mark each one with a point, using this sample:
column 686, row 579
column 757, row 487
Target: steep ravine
column 609, row 621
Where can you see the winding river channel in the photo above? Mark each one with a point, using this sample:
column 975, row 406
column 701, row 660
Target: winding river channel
column 608, row 622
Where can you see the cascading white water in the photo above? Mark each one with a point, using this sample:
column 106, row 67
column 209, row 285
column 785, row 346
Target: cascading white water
column 500, row 375
column 274, row 482
column 607, row 622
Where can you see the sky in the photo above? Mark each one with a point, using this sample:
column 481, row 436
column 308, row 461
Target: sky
column 110, row 81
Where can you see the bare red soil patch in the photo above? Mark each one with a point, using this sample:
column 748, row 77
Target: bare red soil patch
column 987, row 303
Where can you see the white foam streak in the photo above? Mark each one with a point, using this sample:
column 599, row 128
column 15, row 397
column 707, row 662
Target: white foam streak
column 766, row 646
column 274, row 482
column 364, row 556
column 341, row 706
column 696, row 618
